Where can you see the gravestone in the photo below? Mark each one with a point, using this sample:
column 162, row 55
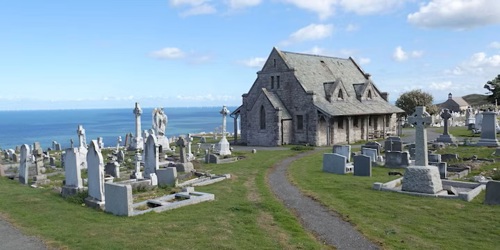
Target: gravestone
column 137, row 174
column 393, row 143
column 397, row 159
column 15, row 158
column 449, row 157
column 421, row 178
column 370, row 152
column 434, row 158
column 119, row 199
column 100, row 142
column 118, row 143
column 374, row 145
column 82, row 140
column 203, row 139
column 488, row 130
column 38, row 154
column 442, row 166
column 492, row 193
column 223, row 145
column 72, row 174
column 95, row 165
column 127, row 141
column 167, row 176
column 184, row 165
column 362, row 165
column 344, row 150
column 52, row 161
column 151, row 154
column 159, row 125
column 112, row 168
column 446, row 137
column 138, row 140
column 334, row 163
column 23, row 166
column 478, row 121
column 120, row 156
column 189, row 155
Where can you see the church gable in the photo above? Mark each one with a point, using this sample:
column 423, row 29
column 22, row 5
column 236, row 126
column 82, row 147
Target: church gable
column 335, row 91
column 274, row 62
column 367, row 91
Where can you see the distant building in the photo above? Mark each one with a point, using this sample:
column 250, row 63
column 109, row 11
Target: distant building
column 454, row 104
column 320, row 100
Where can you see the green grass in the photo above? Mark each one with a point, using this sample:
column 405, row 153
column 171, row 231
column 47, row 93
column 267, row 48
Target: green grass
column 399, row 221
column 244, row 215
column 460, row 132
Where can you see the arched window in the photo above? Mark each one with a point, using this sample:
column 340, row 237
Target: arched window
column 341, row 95
column 369, row 96
column 262, row 118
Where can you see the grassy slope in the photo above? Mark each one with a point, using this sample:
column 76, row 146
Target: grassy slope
column 400, row 221
column 244, row 215
column 476, row 99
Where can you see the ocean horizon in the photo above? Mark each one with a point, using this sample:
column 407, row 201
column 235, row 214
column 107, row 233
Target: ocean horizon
column 19, row 127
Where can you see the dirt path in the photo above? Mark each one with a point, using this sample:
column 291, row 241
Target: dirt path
column 12, row 238
column 323, row 223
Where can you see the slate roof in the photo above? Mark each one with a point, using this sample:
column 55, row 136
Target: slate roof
column 312, row 71
column 277, row 103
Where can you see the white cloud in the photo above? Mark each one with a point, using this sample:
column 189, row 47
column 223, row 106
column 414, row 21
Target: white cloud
column 310, row 33
column 481, row 63
column 446, row 85
column 456, row 14
column 240, row 4
column 256, row 62
column 364, row 7
column 495, row 45
column 324, row 8
column 400, row 55
column 351, row 27
column 168, row 53
column 194, row 7
column 364, row 60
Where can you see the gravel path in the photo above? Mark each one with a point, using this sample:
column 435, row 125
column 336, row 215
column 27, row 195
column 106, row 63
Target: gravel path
column 11, row 238
column 325, row 224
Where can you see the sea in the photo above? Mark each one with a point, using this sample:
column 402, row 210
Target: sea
column 45, row 126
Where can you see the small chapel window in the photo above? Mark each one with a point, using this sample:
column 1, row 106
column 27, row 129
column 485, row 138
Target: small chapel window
column 262, row 118
column 274, row 63
column 355, row 122
column 340, row 123
column 300, row 122
column 340, row 95
column 369, row 96
column 272, row 82
column 277, row 82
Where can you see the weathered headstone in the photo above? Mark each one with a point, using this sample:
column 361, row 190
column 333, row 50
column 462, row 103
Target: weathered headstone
column 138, row 140
column 137, row 173
column 374, row 145
column 189, row 155
column 396, row 159
column 344, row 150
column 492, row 193
column 334, row 163
column 118, row 143
column 52, row 161
column 223, row 145
column 393, row 144
column 100, row 142
column 38, row 154
column 203, row 139
column 72, row 173
column 23, row 166
column 95, row 164
column 488, row 130
column 15, row 158
column 421, row 178
column 446, row 137
column 184, row 165
column 113, row 169
column 370, row 152
column 159, row 125
column 151, row 154
column 82, row 140
column 434, row 158
column 362, row 165
column 120, row 156
column 167, row 176
column 449, row 157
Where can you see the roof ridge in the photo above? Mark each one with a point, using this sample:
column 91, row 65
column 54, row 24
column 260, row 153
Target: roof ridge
column 306, row 54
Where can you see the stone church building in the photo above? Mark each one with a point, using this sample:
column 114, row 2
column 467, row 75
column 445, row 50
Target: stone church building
column 301, row 98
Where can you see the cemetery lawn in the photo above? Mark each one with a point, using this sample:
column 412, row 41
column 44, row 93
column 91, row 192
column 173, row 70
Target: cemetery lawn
column 398, row 221
column 244, row 215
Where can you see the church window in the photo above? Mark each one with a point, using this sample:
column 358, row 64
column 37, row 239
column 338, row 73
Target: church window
column 340, row 95
column 274, row 63
column 272, row 82
column 355, row 122
column 340, row 123
column 300, row 122
column 277, row 82
column 262, row 118
column 369, row 96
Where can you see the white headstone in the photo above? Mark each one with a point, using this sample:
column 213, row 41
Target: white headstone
column 151, row 160
column 95, row 166
column 23, row 166
column 72, row 169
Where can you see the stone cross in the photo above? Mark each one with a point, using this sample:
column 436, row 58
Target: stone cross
column 181, row 142
column 118, row 142
column 420, row 119
column 71, row 143
column 81, row 137
column 224, row 112
column 445, row 115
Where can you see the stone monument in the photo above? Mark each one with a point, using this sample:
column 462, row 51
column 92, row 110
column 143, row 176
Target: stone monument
column 184, row 165
column 446, row 137
column 151, row 154
column 23, row 166
column 73, row 180
column 137, row 173
column 40, row 170
column 82, row 147
column 159, row 124
column 421, row 178
column 223, row 146
column 137, row 141
column 95, row 176
column 488, row 130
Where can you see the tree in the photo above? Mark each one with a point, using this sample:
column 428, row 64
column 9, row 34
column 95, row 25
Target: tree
column 494, row 87
column 408, row 101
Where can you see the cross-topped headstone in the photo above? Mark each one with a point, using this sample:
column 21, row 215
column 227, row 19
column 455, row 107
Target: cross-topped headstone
column 446, row 116
column 181, row 142
column 420, row 118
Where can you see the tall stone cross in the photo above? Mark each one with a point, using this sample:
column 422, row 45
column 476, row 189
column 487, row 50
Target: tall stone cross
column 446, row 116
column 181, row 142
column 224, row 112
column 420, row 119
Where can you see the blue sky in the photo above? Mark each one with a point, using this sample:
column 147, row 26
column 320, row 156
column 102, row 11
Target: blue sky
column 110, row 54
